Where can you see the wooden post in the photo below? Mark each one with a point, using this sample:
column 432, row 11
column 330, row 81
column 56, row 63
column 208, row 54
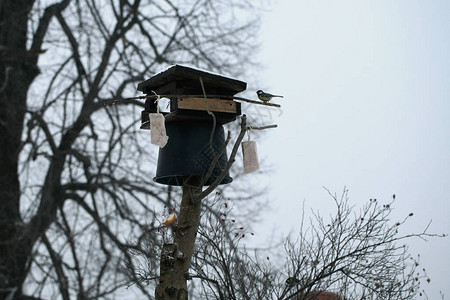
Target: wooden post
column 176, row 257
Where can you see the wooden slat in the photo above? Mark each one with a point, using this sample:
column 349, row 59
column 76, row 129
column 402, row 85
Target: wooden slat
column 215, row 105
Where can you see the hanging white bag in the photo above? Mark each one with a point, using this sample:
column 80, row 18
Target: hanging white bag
column 158, row 129
column 158, row 134
column 250, row 156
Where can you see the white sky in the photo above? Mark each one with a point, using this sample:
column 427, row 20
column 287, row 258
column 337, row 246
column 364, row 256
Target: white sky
column 366, row 105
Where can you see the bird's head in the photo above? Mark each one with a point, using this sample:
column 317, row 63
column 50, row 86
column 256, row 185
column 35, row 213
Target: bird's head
column 259, row 92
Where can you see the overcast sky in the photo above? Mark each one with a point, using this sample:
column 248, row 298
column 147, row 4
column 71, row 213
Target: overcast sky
column 366, row 88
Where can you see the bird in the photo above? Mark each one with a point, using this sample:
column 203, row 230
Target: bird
column 291, row 281
column 266, row 97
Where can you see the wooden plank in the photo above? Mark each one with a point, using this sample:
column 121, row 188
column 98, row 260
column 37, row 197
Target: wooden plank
column 214, row 105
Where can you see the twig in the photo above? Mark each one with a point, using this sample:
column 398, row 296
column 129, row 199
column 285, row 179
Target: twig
column 211, row 114
column 426, row 228
column 257, row 102
column 215, row 160
column 231, row 160
column 212, row 281
column 115, row 101
column 261, row 127
column 244, row 129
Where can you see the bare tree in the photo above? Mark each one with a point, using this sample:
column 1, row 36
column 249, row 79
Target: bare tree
column 75, row 184
column 356, row 254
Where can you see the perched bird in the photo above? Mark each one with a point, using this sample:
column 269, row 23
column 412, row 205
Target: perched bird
column 291, row 281
column 266, row 96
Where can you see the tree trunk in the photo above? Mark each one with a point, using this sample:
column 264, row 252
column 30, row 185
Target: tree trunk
column 17, row 71
column 176, row 257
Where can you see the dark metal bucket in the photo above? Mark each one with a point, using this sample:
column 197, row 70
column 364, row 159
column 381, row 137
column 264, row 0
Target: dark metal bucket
column 188, row 152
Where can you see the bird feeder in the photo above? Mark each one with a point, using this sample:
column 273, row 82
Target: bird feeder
column 200, row 103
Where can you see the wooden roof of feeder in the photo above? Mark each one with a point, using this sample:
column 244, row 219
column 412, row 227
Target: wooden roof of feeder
column 187, row 102
column 183, row 80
